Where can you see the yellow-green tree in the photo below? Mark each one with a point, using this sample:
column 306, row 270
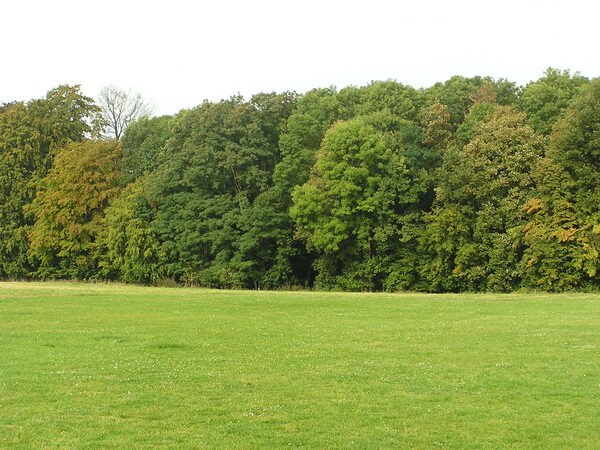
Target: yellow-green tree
column 69, row 207
column 30, row 135
column 481, row 191
column 563, row 231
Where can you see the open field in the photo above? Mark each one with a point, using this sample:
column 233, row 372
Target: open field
column 102, row 366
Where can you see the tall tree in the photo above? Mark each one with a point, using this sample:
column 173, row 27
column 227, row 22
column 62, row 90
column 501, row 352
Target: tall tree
column 218, row 162
column 69, row 207
column 367, row 178
column 30, row 135
column 563, row 231
column 482, row 189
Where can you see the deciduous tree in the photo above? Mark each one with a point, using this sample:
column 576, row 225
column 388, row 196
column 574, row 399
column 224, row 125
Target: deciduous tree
column 120, row 108
column 367, row 176
column 482, row 189
column 69, row 206
column 30, row 136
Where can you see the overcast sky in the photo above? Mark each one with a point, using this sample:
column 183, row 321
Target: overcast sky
column 177, row 53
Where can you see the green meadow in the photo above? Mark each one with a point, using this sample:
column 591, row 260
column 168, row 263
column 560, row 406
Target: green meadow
column 100, row 365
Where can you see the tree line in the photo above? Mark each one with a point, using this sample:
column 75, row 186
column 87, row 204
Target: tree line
column 472, row 184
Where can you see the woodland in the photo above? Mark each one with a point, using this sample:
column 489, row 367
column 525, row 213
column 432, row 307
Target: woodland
column 472, row 184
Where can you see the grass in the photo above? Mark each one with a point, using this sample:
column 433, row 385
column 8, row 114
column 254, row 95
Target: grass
column 99, row 366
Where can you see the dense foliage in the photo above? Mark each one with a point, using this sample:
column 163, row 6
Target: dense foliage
column 473, row 184
column 31, row 135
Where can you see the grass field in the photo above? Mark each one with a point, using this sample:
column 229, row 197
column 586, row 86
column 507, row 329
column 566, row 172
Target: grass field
column 100, row 366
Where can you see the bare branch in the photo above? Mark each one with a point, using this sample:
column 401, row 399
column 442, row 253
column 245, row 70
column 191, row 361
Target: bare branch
column 120, row 108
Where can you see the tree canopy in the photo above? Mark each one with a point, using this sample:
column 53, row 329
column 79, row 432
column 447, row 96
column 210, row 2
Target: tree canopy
column 472, row 184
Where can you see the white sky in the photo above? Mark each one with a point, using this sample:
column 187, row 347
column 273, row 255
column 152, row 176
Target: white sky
column 177, row 53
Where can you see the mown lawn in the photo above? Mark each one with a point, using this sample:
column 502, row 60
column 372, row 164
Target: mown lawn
column 100, row 366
